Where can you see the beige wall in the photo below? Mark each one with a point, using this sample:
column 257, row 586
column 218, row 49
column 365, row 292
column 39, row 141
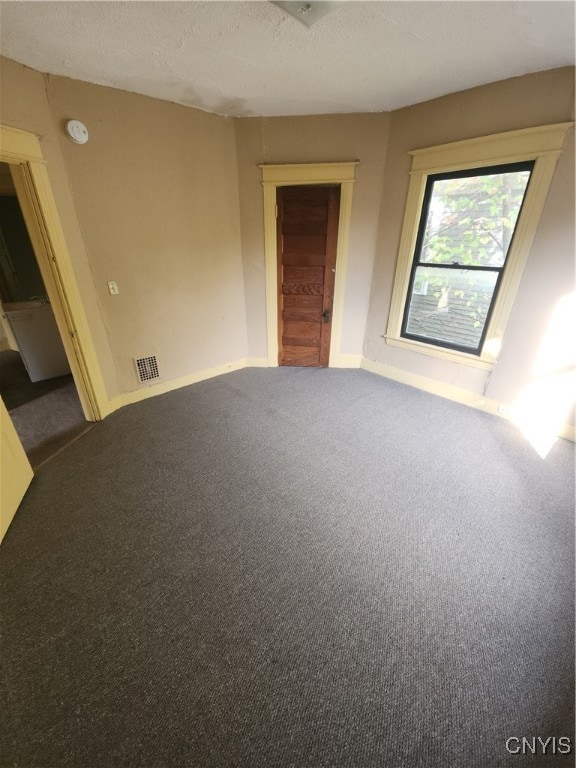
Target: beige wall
column 532, row 100
column 155, row 208
column 331, row 138
column 156, row 195
column 24, row 105
column 548, row 277
column 167, row 201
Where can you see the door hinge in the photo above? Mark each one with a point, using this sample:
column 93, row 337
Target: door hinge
column 276, row 211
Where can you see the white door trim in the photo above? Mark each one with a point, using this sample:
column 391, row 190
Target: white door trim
column 274, row 176
column 22, row 151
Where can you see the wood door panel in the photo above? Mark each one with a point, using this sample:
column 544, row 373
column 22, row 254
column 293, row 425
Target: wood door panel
column 296, row 210
column 303, row 274
column 303, row 288
column 307, row 331
column 307, row 230
column 301, row 301
column 295, row 355
column 303, row 259
column 297, row 341
column 303, row 227
column 304, row 244
column 303, row 314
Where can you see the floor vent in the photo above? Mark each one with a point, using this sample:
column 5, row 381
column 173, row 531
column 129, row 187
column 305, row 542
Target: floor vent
column 147, row 368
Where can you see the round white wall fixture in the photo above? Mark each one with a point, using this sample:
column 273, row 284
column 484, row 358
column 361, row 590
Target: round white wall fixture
column 77, row 131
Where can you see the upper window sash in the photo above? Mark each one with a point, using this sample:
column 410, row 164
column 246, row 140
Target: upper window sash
column 540, row 146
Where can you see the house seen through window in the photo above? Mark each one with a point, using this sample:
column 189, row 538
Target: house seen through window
column 466, row 226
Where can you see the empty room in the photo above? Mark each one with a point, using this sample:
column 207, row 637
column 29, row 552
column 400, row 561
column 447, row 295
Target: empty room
column 287, row 367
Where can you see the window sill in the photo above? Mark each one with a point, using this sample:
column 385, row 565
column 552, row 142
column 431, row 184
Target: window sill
column 453, row 356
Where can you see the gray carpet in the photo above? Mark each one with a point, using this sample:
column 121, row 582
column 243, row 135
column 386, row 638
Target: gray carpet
column 15, row 385
column 47, row 415
column 300, row 568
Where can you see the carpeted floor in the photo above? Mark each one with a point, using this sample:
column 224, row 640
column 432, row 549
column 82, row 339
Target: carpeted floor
column 292, row 568
column 47, row 415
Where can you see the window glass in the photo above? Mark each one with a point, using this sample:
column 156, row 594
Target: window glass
column 467, row 224
column 450, row 305
column 471, row 220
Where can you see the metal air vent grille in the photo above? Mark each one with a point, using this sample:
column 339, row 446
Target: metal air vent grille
column 147, row 368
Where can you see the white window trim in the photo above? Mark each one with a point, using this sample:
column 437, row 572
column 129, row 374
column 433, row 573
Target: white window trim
column 543, row 145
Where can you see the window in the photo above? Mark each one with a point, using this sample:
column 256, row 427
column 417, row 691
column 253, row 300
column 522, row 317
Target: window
column 466, row 228
column 471, row 214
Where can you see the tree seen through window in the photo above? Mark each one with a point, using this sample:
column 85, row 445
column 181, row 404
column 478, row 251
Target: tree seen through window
column 466, row 228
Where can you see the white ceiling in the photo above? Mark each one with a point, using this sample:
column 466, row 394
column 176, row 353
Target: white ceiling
column 252, row 58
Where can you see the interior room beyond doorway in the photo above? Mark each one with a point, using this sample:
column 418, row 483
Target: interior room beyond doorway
column 35, row 379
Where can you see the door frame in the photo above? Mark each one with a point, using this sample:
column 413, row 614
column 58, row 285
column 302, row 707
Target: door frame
column 22, row 151
column 299, row 174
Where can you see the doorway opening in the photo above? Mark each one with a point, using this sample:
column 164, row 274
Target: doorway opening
column 36, row 382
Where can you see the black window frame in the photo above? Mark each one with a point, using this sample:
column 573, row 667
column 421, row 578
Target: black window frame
column 527, row 165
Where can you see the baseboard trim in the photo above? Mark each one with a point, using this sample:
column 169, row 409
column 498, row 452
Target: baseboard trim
column 257, row 362
column 135, row 396
column 568, row 432
column 128, row 398
column 449, row 391
column 346, row 361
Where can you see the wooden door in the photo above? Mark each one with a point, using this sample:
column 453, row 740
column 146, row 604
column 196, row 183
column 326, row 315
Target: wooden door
column 15, row 470
column 307, row 229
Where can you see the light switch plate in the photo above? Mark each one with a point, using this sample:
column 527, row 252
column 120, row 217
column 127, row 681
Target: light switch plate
column 113, row 288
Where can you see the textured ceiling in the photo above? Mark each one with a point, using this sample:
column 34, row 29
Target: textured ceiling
column 251, row 58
